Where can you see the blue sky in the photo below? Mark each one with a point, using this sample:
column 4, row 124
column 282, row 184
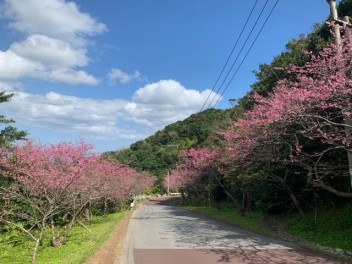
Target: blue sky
column 114, row 72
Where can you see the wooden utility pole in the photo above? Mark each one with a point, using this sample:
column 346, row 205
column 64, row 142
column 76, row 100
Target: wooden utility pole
column 337, row 36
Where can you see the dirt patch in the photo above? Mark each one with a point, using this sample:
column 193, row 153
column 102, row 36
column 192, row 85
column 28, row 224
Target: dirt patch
column 111, row 251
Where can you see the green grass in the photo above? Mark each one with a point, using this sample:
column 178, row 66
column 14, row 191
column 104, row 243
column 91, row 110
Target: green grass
column 17, row 248
column 331, row 228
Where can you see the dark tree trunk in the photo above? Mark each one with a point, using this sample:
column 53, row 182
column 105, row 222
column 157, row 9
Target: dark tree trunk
column 292, row 195
column 229, row 195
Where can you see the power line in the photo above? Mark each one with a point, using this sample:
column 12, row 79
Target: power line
column 222, row 93
column 239, row 53
column 239, row 66
column 233, row 49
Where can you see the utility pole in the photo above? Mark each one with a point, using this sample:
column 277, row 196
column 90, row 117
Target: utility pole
column 168, row 183
column 346, row 19
column 337, row 36
column 335, row 17
column 168, row 172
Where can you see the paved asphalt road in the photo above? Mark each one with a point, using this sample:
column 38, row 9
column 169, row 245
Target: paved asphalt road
column 162, row 234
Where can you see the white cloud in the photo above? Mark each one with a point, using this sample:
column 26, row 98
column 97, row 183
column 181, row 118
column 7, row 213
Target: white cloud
column 165, row 102
column 66, row 113
column 10, row 86
column 72, row 77
column 13, row 67
column 56, row 41
column 170, row 93
column 117, row 75
column 151, row 108
column 50, row 52
column 54, row 18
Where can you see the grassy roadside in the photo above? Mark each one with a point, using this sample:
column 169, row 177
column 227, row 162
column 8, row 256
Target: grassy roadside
column 17, row 248
column 328, row 232
column 330, row 228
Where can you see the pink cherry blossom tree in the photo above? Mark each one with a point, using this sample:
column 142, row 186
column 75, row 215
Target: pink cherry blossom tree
column 60, row 181
column 119, row 183
column 195, row 174
column 303, row 124
column 41, row 177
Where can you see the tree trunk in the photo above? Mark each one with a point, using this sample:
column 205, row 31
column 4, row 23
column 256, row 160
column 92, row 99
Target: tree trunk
column 332, row 190
column 88, row 215
column 37, row 245
column 55, row 242
column 68, row 229
column 53, row 236
column 209, row 192
column 229, row 195
column 244, row 204
column 296, row 202
column 105, row 206
column 183, row 198
column 292, row 195
column 249, row 202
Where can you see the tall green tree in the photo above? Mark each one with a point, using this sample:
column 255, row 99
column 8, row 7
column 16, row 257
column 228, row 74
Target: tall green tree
column 9, row 134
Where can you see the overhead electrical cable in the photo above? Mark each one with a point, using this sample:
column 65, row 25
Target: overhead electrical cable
column 233, row 49
column 239, row 53
column 244, row 58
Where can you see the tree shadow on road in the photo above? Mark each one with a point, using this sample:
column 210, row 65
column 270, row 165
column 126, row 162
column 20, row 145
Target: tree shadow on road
column 171, row 201
column 197, row 231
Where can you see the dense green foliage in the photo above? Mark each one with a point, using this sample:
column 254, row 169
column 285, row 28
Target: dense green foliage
column 9, row 134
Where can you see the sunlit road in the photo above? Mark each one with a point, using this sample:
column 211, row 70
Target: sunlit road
column 162, row 234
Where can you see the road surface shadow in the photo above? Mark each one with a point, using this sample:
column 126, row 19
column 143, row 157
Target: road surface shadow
column 169, row 201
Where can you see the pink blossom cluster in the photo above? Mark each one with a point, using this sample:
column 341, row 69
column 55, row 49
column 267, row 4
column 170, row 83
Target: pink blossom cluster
column 65, row 171
column 313, row 103
column 195, row 163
